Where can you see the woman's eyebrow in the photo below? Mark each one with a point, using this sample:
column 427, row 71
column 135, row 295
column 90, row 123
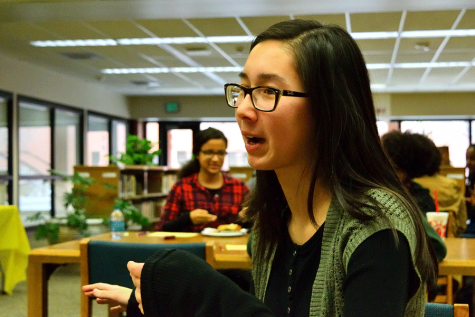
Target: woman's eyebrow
column 265, row 76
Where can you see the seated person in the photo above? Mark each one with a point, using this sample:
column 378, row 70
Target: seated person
column 203, row 196
column 397, row 146
column 469, row 189
column 450, row 195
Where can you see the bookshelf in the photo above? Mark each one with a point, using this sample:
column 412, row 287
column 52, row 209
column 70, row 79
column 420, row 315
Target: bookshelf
column 145, row 186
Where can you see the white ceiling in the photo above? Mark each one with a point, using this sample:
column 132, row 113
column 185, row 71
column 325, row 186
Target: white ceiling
column 25, row 21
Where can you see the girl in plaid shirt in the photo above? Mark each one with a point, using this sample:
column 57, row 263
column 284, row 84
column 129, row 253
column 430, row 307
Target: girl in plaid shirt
column 203, row 196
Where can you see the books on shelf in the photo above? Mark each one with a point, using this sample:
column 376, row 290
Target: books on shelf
column 168, row 180
column 151, row 209
column 128, row 186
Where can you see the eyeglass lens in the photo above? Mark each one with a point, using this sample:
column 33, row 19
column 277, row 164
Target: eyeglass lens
column 212, row 153
column 263, row 98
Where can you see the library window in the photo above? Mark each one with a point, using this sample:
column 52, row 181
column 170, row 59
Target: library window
column 5, row 172
column 119, row 137
column 68, row 152
column 34, row 159
column 180, row 144
column 97, row 141
column 152, row 134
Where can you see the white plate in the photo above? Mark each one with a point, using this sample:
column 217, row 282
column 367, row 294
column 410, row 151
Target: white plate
column 213, row 232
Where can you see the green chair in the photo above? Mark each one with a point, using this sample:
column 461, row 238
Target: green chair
column 106, row 261
column 446, row 310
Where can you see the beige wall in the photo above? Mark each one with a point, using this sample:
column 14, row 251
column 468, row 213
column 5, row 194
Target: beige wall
column 429, row 104
column 37, row 82
column 398, row 105
column 191, row 107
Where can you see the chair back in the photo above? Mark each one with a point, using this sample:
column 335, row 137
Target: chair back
column 108, row 259
column 106, row 262
column 446, row 310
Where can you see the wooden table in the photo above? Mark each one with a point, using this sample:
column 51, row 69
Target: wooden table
column 43, row 261
column 460, row 259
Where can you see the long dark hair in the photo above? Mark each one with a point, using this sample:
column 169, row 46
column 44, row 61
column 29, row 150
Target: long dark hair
column 349, row 159
column 193, row 165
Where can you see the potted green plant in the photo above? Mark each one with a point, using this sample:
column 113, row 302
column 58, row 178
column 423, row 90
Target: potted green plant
column 76, row 220
column 136, row 152
column 131, row 214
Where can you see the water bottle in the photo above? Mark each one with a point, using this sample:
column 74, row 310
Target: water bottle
column 117, row 223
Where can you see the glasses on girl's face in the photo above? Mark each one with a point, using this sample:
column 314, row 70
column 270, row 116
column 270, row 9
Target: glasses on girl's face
column 263, row 98
column 212, row 153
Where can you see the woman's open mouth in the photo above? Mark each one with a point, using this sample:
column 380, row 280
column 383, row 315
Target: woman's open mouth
column 253, row 140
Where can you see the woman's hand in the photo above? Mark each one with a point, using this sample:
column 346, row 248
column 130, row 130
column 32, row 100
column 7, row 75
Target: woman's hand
column 115, row 295
column 198, row 216
column 135, row 270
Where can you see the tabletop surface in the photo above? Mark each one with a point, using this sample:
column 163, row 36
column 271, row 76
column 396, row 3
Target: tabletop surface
column 71, row 248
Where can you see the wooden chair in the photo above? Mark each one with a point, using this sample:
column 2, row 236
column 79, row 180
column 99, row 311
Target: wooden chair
column 446, row 280
column 106, row 261
column 445, row 310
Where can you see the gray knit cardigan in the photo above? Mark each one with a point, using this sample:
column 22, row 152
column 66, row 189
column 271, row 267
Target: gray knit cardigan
column 342, row 234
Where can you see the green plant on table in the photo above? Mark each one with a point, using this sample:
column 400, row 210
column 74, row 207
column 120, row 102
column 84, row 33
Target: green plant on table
column 75, row 219
column 137, row 152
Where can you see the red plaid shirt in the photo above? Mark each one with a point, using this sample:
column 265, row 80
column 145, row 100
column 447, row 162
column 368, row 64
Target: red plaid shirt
column 187, row 195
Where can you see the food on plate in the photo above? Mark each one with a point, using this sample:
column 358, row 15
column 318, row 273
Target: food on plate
column 229, row 227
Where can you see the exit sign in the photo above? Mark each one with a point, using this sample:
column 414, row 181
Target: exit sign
column 172, row 107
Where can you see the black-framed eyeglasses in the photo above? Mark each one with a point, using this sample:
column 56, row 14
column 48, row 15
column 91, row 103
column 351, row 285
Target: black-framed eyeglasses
column 263, row 98
column 212, row 153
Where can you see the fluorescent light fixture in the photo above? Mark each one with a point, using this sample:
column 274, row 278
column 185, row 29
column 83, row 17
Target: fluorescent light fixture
column 437, row 33
column 231, row 39
column 241, row 39
column 159, row 70
column 373, row 35
column 434, row 65
column 378, row 66
column 72, row 43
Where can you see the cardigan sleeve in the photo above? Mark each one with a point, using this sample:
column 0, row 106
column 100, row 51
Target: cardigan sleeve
column 133, row 306
column 177, row 283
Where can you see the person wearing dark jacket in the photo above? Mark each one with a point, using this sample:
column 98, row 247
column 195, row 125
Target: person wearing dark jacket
column 398, row 146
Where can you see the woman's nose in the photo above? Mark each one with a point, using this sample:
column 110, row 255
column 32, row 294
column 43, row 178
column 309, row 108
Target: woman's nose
column 246, row 109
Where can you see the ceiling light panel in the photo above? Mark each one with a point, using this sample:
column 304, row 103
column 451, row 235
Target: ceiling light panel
column 378, row 76
column 118, row 29
column 258, row 24
column 379, row 45
column 375, row 22
column 468, row 20
column 22, row 31
column 462, row 43
column 468, row 77
column 409, row 44
column 441, row 76
column 167, row 28
column 338, row 19
column 406, row 76
column 128, row 56
column 377, row 57
column 430, row 20
column 218, row 26
column 69, row 30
